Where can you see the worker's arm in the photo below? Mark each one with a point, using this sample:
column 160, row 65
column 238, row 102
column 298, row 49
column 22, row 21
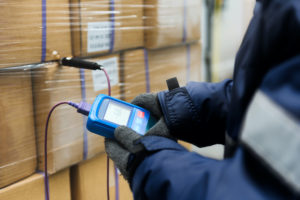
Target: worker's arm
column 264, row 164
column 197, row 113
column 171, row 172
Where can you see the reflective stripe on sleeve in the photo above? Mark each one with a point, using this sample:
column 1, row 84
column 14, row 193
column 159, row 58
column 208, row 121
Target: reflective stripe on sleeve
column 274, row 135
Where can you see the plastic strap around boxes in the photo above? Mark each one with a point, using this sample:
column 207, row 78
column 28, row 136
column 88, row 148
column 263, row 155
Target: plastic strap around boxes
column 184, row 34
column 188, row 62
column 117, row 183
column 45, row 184
column 83, row 95
column 147, row 70
column 112, row 25
column 44, row 30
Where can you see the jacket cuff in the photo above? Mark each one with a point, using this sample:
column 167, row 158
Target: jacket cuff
column 179, row 110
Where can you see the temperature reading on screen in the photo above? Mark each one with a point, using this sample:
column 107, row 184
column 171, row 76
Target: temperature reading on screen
column 117, row 114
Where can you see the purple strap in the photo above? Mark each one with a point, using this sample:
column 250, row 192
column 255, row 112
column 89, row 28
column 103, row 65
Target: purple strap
column 44, row 30
column 184, row 34
column 147, row 70
column 46, row 185
column 83, row 95
column 112, row 22
column 188, row 62
column 43, row 58
column 117, row 183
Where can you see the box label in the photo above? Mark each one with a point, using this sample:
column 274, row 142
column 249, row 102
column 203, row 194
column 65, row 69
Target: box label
column 112, row 67
column 98, row 36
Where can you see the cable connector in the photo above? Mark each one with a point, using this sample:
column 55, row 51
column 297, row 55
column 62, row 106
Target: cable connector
column 83, row 107
column 79, row 63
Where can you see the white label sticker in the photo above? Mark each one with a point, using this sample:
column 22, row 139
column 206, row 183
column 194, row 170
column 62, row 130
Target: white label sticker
column 98, row 36
column 112, row 67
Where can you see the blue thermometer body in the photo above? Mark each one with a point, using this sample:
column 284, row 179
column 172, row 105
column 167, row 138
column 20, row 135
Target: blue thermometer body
column 107, row 113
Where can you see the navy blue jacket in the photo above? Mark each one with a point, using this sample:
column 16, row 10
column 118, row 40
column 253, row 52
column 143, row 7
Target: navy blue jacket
column 268, row 63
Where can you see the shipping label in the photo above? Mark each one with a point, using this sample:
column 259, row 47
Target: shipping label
column 98, row 36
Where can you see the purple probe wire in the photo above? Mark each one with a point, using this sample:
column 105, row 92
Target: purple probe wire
column 107, row 158
column 45, row 150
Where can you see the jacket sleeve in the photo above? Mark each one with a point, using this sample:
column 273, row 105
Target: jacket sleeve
column 171, row 172
column 197, row 113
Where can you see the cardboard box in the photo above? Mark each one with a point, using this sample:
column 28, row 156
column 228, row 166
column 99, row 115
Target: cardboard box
column 23, row 38
column 32, row 188
column 134, row 75
column 170, row 22
column 17, row 137
column 183, row 62
column 53, row 84
column 99, row 26
column 89, row 181
column 95, row 84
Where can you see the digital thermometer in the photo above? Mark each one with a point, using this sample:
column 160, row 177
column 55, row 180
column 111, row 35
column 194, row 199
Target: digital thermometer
column 107, row 113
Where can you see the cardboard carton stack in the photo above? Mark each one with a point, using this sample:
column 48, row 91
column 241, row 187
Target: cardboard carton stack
column 140, row 43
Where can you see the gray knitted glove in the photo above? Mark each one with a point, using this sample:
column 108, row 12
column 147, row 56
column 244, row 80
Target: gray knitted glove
column 150, row 102
column 122, row 147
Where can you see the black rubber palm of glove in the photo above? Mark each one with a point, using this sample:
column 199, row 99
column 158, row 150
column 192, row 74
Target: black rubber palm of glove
column 123, row 150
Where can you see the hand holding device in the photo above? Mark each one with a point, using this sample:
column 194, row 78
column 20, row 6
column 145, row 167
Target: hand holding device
column 123, row 151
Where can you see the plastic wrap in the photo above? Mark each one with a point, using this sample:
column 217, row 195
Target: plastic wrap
column 140, row 43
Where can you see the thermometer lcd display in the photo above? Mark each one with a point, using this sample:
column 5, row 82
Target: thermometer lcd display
column 117, row 114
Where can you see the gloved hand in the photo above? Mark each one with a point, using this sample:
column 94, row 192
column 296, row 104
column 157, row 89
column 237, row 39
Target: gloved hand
column 122, row 148
column 125, row 153
column 150, row 102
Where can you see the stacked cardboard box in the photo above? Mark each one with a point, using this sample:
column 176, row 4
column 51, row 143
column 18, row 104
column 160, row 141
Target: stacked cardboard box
column 27, row 34
column 104, row 26
column 17, row 138
column 32, row 188
column 89, row 181
column 170, row 22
